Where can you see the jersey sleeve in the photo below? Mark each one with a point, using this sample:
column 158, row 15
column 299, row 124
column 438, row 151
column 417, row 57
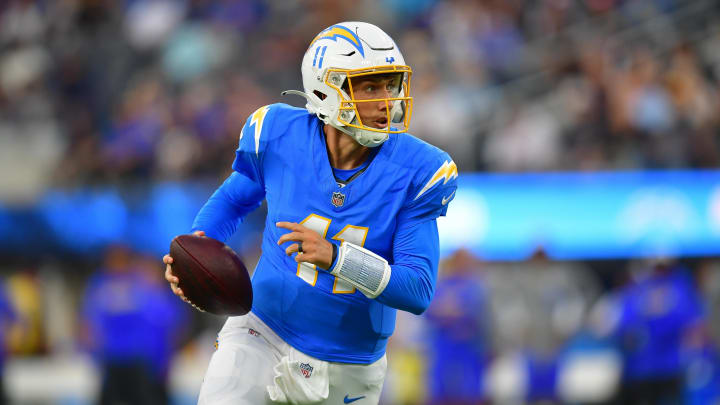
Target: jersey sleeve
column 433, row 187
column 253, row 142
column 416, row 253
column 228, row 205
column 243, row 190
column 416, row 246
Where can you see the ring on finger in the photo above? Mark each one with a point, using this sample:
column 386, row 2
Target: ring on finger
column 300, row 250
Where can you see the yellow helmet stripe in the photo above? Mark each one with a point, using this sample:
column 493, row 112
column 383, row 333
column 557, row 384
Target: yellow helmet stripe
column 338, row 31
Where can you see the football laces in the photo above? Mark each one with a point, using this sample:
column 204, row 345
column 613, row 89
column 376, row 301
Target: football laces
column 193, row 305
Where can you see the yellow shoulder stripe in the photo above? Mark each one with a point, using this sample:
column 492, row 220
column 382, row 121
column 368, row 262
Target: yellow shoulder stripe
column 257, row 119
column 447, row 171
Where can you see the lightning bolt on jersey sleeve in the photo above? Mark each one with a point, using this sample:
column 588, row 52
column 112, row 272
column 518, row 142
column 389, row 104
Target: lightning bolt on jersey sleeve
column 433, row 188
column 234, row 199
column 253, row 140
column 243, row 190
column 416, row 248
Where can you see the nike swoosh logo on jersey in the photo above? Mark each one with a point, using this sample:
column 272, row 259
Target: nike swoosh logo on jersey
column 447, row 199
column 349, row 400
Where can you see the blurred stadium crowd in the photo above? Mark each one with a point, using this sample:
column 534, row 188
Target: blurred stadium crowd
column 127, row 92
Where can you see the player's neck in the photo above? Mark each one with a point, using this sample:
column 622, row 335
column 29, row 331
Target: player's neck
column 343, row 151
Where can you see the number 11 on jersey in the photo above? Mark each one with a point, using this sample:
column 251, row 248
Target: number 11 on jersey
column 350, row 233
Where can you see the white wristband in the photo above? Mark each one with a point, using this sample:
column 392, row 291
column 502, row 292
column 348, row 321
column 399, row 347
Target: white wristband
column 362, row 268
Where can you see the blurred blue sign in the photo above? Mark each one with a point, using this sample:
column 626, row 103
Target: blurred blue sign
column 498, row 216
column 585, row 216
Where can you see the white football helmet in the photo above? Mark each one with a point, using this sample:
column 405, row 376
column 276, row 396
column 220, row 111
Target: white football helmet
column 344, row 51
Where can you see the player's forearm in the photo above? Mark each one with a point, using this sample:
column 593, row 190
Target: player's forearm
column 234, row 199
column 414, row 272
column 217, row 218
column 410, row 288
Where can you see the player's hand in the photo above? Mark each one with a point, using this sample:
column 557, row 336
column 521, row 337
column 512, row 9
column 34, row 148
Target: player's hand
column 170, row 277
column 315, row 249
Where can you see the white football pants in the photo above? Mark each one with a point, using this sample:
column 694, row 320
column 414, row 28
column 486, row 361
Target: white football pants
column 252, row 363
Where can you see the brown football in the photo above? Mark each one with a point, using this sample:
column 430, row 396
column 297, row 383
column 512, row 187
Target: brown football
column 211, row 275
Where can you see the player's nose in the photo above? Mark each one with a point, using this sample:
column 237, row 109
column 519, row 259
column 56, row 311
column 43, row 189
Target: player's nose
column 383, row 104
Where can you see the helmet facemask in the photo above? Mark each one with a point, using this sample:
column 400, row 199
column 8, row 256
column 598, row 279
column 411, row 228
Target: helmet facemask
column 398, row 102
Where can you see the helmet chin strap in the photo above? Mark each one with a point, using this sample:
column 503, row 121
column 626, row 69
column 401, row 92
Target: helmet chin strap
column 356, row 134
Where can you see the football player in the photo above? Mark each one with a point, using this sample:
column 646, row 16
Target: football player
column 350, row 235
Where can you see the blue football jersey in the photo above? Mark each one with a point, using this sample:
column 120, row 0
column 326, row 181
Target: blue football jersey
column 282, row 149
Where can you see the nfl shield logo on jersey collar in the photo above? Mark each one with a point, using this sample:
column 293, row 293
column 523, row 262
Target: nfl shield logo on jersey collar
column 338, row 199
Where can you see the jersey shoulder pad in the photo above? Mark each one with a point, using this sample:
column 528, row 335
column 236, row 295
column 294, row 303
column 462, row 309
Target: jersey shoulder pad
column 262, row 128
column 434, row 177
column 259, row 129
